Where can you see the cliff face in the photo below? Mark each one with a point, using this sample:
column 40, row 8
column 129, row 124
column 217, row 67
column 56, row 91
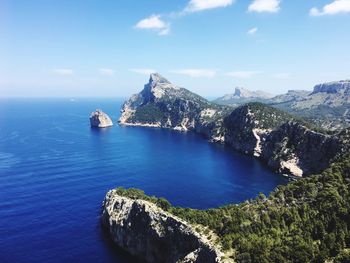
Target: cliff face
column 247, row 126
column 256, row 129
column 162, row 104
column 99, row 119
column 295, row 149
column 146, row 231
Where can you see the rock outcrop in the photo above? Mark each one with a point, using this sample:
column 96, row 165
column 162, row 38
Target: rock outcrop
column 297, row 150
column 150, row 233
column 274, row 136
column 162, row 104
column 340, row 87
column 242, row 96
column 99, row 119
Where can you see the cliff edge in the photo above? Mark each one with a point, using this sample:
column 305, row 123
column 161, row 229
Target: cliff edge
column 150, row 233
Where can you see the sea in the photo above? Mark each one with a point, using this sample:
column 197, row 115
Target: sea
column 55, row 171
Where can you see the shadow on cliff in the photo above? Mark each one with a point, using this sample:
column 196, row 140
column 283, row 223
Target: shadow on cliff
column 119, row 254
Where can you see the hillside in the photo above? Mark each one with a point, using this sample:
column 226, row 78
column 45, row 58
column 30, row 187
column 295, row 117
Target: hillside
column 285, row 143
column 327, row 106
column 305, row 221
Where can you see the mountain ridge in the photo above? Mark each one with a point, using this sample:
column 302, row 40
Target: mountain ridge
column 255, row 129
column 326, row 106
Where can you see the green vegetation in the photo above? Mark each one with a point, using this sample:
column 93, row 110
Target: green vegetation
column 305, row 221
column 270, row 117
column 148, row 113
column 321, row 116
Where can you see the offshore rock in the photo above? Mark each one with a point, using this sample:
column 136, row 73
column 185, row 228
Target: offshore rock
column 99, row 119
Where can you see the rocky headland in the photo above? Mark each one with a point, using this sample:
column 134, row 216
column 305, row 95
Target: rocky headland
column 304, row 221
column 278, row 228
column 148, row 232
column 285, row 143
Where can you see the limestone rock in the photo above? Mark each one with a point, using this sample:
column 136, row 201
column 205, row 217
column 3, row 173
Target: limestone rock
column 163, row 104
column 99, row 119
column 242, row 95
column 148, row 232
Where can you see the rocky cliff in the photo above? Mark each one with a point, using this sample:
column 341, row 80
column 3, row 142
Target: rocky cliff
column 286, row 145
column 295, row 149
column 99, row 119
column 150, row 233
column 162, row 104
column 304, row 221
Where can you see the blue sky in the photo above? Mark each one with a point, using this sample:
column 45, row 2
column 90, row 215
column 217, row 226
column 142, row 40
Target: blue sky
column 106, row 48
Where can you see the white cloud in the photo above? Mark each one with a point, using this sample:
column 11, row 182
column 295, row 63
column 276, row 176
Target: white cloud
column 242, row 74
column 260, row 6
column 154, row 22
column 200, row 5
column 252, row 31
column 63, row 71
column 106, row 71
column 336, row 7
column 143, row 71
column 196, row 73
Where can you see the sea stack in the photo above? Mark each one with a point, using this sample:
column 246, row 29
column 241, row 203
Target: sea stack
column 99, row 119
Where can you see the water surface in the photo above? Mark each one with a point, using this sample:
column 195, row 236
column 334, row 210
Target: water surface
column 55, row 171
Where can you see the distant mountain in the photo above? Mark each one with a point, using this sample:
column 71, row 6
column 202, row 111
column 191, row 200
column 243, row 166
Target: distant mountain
column 241, row 96
column 290, row 96
column 328, row 105
column 285, row 143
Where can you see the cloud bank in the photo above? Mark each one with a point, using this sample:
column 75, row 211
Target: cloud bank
column 335, row 7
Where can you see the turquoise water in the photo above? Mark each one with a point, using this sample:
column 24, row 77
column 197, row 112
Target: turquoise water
column 55, row 171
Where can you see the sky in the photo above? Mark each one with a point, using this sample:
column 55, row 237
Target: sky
column 101, row 48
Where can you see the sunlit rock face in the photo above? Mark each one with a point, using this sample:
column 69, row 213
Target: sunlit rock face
column 99, row 119
column 148, row 232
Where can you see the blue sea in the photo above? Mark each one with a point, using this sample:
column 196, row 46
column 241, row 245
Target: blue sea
column 55, row 171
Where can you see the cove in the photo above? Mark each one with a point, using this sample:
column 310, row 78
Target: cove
column 55, row 171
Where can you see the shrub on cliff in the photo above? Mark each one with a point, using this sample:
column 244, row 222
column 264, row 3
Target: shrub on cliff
column 305, row 221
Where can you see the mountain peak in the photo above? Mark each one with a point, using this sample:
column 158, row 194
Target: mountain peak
column 157, row 78
column 245, row 93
